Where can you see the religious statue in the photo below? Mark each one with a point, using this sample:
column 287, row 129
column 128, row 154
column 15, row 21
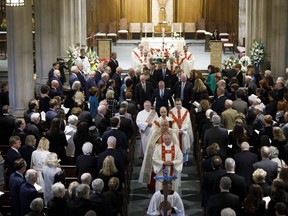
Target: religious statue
column 162, row 12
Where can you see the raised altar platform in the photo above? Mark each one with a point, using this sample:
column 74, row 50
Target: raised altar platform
column 169, row 42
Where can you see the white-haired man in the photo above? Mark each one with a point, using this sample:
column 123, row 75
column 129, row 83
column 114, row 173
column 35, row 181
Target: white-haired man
column 73, row 77
column 144, row 121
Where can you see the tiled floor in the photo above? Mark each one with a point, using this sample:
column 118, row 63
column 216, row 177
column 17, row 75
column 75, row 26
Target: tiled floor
column 189, row 190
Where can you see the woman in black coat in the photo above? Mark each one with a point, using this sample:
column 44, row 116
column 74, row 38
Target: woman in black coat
column 57, row 140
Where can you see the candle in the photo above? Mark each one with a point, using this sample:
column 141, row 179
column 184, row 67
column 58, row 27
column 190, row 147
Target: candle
column 180, row 28
column 172, row 29
column 145, row 29
column 163, row 30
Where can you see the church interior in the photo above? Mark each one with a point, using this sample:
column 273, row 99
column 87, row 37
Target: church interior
column 34, row 33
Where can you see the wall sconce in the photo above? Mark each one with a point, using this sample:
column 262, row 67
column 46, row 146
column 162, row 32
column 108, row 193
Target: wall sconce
column 15, row 3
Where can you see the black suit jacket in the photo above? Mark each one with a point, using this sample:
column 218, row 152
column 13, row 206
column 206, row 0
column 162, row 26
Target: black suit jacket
column 86, row 163
column 118, row 82
column 223, row 200
column 113, row 65
column 140, row 95
column 162, row 101
column 188, row 93
column 12, row 156
column 78, row 206
column 126, row 125
column 101, row 123
column 7, row 126
column 15, row 182
column 26, row 152
column 219, row 105
column 118, row 159
column 244, row 165
column 166, row 79
column 120, row 139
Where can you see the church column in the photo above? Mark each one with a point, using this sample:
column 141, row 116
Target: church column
column 279, row 37
column 20, row 57
column 47, row 33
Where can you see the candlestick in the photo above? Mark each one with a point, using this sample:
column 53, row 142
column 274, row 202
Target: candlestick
column 163, row 30
column 172, row 29
column 180, row 30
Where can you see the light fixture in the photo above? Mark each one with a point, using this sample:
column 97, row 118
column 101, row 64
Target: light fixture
column 15, row 3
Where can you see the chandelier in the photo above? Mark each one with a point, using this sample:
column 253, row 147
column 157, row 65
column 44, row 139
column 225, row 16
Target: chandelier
column 14, row 3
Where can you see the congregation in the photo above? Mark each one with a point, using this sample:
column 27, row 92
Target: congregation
column 235, row 124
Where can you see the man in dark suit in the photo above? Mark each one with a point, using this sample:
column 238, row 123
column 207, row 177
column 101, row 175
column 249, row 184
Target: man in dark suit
column 271, row 107
column 90, row 82
column 216, row 134
column 7, row 125
column 266, row 164
column 19, row 130
column 57, row 76
column 113, row 63
column 13, row 153
column 117, row 77
column 223, row 199
column 15, row 181
column 100, row 121
column 33, row 107
column 81, row 204
column 27, row 191
column 55, row 66
column 184, row 90
column 239, row 75
column 73, row 77
column 153, row 74
column 238, row 186
column 81, row 75
column 111, row 151
column 162, row 96
column 244, row 161
column 219, row 104
column 52, row 113
column 143, row 92
column 210, row 178
column 164, row 74
column 27, row 149
column 119, row 135
column 86, row 163
column 99, row 203
column 126, row 125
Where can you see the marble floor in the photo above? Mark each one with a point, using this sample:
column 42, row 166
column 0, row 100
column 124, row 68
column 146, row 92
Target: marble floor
column 189, row 190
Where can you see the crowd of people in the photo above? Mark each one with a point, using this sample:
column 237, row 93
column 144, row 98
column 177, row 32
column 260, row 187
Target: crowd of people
column 240, row 122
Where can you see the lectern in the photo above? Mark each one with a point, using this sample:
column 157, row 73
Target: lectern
column 216, row 53
column 104, row 48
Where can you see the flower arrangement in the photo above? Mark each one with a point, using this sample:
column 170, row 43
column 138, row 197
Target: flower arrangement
column 245, row 61
column 160, row 56
column 230, row 62
column 257, row 53
column 3, row 24
column 73, row 53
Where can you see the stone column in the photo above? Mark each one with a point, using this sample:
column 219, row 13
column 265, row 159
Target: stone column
column 279, row 37
column 242, row 21
column 20, row 57
column 47, row 33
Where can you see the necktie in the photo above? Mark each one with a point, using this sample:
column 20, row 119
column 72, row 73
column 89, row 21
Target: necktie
column 144, row 87
column 182, row 91
column 161, row 93
column 164, row 73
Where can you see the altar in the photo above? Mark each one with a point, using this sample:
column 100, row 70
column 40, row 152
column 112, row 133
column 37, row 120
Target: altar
column 169, row 43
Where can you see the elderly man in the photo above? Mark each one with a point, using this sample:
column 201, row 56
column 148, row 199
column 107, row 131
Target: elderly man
column 167, row 158
column 90, row 82
column 144, row 122
column 137, row 54
column 146, row 175
column 117, row 77
column 57, row 76
column 100, row 204
column 27, row 191
column 104, row 79
column 73, row 76
column 143, row 92
column 182, row 124
column 229, row 115
column 100, row 121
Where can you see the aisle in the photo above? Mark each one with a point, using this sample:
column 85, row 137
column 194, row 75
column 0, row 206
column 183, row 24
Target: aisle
column 189, row 190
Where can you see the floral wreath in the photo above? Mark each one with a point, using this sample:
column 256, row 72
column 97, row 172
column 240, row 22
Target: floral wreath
column 245, row 61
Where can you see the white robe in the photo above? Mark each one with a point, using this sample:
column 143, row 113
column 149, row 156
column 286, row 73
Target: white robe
column 38, row 159
column 146, row 168
column 86, row 64
column 187, row 132
column 70, row 131
column 136, row 59
column 144, row 130
column 190, row 59
column 183, row 63
column 157, row 162
column 174, row 199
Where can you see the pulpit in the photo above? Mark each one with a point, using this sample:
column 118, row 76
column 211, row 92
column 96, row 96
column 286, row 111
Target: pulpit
column 104, row 48
column 216, row 53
